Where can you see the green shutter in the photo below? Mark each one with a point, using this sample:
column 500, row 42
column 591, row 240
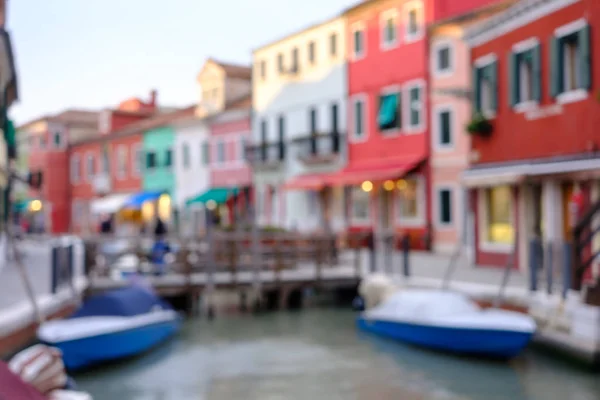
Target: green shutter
column 513, row 76
column 536, row 67
column 555, row 67
column 586, row 60
column 493, row 74
column 476, row 90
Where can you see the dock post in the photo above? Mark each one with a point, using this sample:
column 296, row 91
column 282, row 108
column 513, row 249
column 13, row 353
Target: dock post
column 372, row 252
column 567, row 266
column 534, row 247
column 549, row 264
column 406, row 255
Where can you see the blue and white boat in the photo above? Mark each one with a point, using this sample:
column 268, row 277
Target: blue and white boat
column 113, row 325
column 451, row 322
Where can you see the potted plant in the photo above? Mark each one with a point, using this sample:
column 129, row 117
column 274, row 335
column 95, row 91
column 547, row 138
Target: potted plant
column 479, row 125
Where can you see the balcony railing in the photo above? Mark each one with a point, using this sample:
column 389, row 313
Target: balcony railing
column 320, row 147
column 265, row 154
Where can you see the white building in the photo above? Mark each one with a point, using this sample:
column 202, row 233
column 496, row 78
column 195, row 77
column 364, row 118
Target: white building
column 299, row 125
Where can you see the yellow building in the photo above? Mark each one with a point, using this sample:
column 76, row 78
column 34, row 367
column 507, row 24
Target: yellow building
column 299, row 100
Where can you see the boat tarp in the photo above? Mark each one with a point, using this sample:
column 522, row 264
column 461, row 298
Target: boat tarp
column 126, row 302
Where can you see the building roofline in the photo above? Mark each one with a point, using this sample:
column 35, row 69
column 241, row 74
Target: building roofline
column 473, row 15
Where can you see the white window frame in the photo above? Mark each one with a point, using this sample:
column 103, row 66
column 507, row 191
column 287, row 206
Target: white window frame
column 89, row 159
column 61, row 135
column 437, row 110
column 419, row 219
column 186, row 146
column 121, row 161
column 410, row 37
column 574, row 95
column 437, row 46
column 484, row 244
column 393, row 14
column 397, row 89
column 75, row 168
column 358, row 26
column 364, row 98
column 483, row 62
column 518, row 48
column 358, row 221
column 136, row 159
column 454, row 209
column 220, row 142
column 408, row 127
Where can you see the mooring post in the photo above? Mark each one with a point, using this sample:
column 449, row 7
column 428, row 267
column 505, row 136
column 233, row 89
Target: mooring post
column 567, row 268
column 534, row 259
column 210, row 281
column 406, row 255
column 549, row 264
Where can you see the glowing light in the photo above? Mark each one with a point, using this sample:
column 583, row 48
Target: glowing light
column 401, row 184
column 367, row 186
column 164, row 207
column 211, row 205
column 35, row 205
column 388, row 185
column 147, row 211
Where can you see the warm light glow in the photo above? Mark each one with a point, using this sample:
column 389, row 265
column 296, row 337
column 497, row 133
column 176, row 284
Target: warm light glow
column 367, row 186
column 148, row 211
column 164, row 207
column 211, row 205
column 388, row 185
column 35, row 205
column 401, row 184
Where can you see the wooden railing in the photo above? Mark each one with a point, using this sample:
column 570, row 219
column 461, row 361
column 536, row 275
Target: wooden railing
column 584, row 254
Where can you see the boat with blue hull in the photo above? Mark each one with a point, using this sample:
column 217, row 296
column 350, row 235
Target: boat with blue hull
column 450, row 322
column 110, row 326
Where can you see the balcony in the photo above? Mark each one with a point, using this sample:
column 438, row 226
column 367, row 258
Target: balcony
column 265, row 155
column 101, row 183
column 319, row 148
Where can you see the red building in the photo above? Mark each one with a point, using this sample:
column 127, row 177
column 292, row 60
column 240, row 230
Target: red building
column 388, row 114
column 535, row 161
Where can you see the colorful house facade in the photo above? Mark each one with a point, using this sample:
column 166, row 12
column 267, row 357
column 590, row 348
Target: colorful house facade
column 299, row 101
column 535, row 143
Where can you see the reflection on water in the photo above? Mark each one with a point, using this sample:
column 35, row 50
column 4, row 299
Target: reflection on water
column 320, row 355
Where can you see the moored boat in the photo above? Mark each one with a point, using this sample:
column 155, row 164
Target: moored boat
column 110, row 326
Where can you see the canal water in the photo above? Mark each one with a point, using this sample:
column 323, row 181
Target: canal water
column 318, row 354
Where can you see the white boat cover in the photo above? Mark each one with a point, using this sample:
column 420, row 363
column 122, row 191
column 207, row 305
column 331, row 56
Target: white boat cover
column 108, row 204
column 447, row 309
column 78, row 328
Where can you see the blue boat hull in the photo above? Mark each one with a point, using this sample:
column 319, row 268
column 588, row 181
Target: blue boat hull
column 92, row 350
column 481, row 342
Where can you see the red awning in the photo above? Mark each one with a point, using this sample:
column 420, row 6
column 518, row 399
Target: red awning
column 307, row 182
column 381, row 170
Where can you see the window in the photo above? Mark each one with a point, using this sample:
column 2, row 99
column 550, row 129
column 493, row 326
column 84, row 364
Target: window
column 75, row 168
column 312, row 120
column 525, row 73
column 263, row 70
column 281, row 132
column 443, row 58
column 205, row 153
column 389, row 116
column 360, row 210
column 263, row 131
column 498, row 204
column 359, row 118
column 410, row 201
column 220, row 152
column 570, row 59
column 414, row 92
column 414, row 21
column 137, row 159
column 358, row 43
column 105, row 161
column 168, row 158
column 444, row 200
column 295, row 60
column 485, row 85
column 333, row 45
column 186, row 158
column 311, row 52
column 243, row 143
column 389, row 29
column 280, row 66
column 57, row 139
column 151, row 160
column 334, row 118
column 443, row 125
column 121, row 161
column 90, row 166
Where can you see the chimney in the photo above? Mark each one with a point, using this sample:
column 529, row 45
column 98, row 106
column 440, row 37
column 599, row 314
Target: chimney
column 153, row 96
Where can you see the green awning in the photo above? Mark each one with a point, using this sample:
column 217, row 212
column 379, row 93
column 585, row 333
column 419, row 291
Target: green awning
column 387, row 109
column 218, row 195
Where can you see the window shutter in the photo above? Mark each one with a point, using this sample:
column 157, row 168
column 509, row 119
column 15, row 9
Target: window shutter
column 476, row 93
column 513, row 76
column 586, row 60
column 494, row 83
column 536, row 63
column 555, row 67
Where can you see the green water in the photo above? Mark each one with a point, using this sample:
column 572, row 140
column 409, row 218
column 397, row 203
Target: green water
column 318, row 354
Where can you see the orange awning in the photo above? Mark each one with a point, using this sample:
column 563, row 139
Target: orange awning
column 307, row 182
column 381, row 170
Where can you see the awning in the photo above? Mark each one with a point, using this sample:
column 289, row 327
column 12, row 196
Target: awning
column 307, row 182
column 138, row 199
column 515, row 173
column 375, row 171
column 218, row 195
column 108, row 204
